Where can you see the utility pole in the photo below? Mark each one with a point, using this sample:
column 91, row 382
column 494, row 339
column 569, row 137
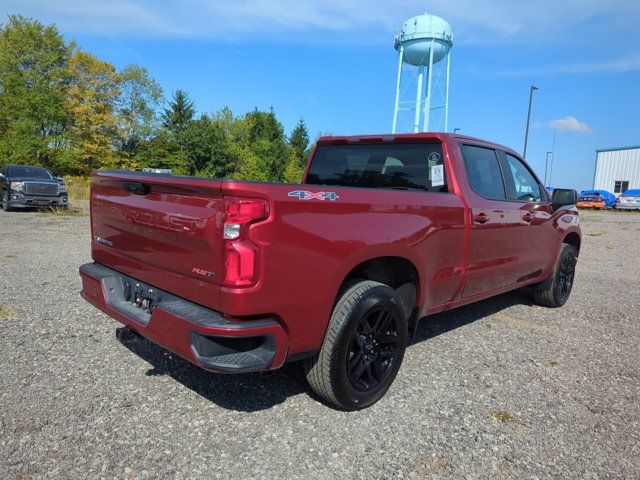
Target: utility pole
column 553, row 154
column 526, row 134
column 546, row 166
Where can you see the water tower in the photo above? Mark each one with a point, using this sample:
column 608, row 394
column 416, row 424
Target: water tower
column 423, row 42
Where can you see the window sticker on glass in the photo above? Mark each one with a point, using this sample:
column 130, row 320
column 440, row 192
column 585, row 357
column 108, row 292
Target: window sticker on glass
column 437, row 175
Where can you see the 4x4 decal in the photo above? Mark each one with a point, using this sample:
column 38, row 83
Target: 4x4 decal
column 306, row 195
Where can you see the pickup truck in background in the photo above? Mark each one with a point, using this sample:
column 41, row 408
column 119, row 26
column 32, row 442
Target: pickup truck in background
column 384, row 230
column 26, row 186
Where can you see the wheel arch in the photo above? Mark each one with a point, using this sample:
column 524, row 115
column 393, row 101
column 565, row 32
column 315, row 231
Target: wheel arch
column 397, row 272
column 572, row 238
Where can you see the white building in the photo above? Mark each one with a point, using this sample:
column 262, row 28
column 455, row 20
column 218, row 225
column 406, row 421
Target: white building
column 617, row 169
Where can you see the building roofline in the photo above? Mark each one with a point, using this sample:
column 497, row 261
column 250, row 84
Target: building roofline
column 614, row 149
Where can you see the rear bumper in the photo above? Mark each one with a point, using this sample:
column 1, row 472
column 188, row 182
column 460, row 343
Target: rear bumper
column 198, row 334
column 590, row 205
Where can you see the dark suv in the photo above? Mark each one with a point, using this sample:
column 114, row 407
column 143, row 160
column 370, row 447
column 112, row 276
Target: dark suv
column 24, row 186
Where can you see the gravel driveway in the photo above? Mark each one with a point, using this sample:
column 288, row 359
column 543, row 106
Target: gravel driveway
column 499, row 389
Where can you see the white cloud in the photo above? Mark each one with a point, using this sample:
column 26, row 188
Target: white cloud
column 569, row 124
column 621, row 64
column 484, row 21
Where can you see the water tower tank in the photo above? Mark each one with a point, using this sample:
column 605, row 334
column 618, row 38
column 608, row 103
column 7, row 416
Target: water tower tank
column 416, row 36
column 421, row 43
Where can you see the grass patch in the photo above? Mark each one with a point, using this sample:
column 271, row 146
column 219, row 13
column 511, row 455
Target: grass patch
column 70, row 211
column 595, row 234
column 11, row 256
column 609, row 247
column 78, row 187
column 505, row 417
column 5, row 313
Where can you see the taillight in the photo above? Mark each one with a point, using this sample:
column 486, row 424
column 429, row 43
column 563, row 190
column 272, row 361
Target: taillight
column 241, row 257
column 618, row 200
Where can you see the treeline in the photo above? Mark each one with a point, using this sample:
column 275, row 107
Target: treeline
column 65, row 109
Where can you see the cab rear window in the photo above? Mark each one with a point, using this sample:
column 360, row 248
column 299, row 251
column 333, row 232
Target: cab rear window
column 405, row 166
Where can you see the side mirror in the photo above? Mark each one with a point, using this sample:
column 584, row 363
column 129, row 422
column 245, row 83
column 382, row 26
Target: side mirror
column 562, row 197
column 59, row 178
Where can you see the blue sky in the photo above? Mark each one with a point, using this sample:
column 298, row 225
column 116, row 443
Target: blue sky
column 333, row 63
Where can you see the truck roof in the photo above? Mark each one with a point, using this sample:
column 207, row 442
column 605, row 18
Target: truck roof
column 405, row 137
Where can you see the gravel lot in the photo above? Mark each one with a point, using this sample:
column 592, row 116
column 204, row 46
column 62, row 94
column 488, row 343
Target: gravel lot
column 499, row 389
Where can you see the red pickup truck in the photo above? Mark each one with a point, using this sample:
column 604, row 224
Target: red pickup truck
column 239, row 276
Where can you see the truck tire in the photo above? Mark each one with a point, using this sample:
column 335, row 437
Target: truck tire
column 5, row 201
column 555, row 291
column 363, row 347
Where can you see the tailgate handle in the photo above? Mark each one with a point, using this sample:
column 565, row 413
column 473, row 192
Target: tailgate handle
column 481, row 218
column 137, row 188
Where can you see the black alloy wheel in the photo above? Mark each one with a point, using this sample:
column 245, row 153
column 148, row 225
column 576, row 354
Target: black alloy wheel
column 372, row 349
column 363, row 346
column 554, row 292
column 566, row 273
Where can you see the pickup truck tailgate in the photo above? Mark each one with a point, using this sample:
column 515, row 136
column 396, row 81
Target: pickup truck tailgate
column 163, row 230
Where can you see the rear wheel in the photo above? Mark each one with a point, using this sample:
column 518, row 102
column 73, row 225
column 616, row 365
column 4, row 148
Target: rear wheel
column 555, row 291
column 363, row 347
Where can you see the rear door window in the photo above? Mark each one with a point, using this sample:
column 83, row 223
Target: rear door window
column 484, row 172
column 405, row 166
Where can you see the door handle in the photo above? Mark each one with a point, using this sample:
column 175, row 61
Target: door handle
column 527, row 217
column 481, row 218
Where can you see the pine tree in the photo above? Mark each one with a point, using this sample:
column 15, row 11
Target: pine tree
column 181, row 111
column 299, row 143
column 267, row 141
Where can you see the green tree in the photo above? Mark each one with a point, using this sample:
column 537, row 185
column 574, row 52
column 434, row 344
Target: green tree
column 91, row 102
column 33, row 79
column 180, row 113
column 266, row 139
column 162, row 151
column 298, row 153
column 299, row 142
column 293, row 171
column 207, row 144
column 137, row 111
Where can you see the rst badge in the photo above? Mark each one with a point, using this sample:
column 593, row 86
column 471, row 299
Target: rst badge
column 204, row 273
column 306, row 195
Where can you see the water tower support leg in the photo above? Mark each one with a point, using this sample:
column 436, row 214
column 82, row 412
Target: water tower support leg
column 416, row 120
column 446, row 95
column 397, row 104
column 427, row 107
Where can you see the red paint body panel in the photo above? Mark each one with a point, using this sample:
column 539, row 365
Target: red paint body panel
column 170, row 236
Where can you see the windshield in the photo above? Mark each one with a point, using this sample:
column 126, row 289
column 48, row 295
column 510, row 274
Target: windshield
column 29, row 172
column 399, row 165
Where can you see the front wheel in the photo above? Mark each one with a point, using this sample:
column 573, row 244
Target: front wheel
column 5, row 201
column 363, row 347
column 555, row 291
